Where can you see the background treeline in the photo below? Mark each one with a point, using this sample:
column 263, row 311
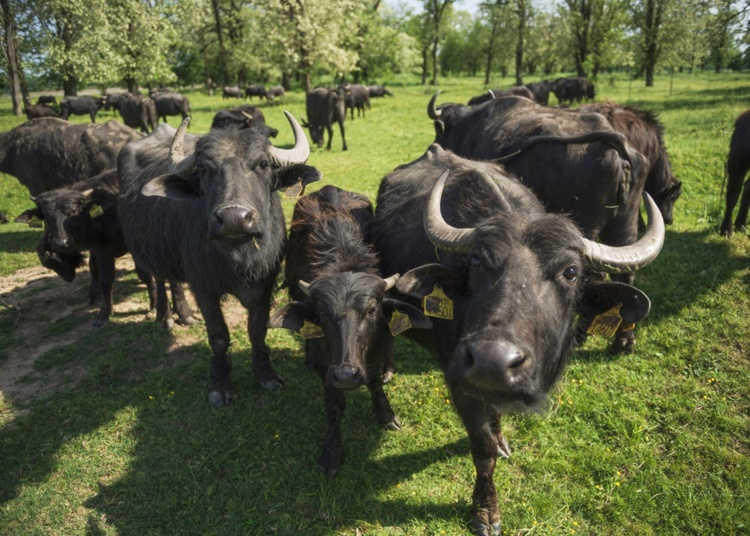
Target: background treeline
column 69, row 44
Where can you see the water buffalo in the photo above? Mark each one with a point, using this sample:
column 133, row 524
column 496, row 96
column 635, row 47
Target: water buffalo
column 241, row 117
column 519, row 91
column 83, row 217
column 170, row 103
column 738, row 162
column 324, row 107
column 256, row 90
column 333, row 277
column 576, row 163
column 47, row 153
column 573, row 89
column 645, row 134
column 35, row 111
column 138, row 111
column 46, row 99
column 231, row 92
column 378, row 91
column 356, row 96
column 205, row 209
column 503, row 280
column 81, row 106
column 274, row 92
column 540, row 90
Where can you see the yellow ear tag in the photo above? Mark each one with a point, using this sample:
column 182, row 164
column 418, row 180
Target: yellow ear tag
column 437, row 304
column 96, row 211
column 311, row 331
column 294, row 191
column 606, row 324
column 399, row 323
column 35, row 223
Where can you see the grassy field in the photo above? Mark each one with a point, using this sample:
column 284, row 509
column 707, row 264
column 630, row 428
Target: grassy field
column 109, row 431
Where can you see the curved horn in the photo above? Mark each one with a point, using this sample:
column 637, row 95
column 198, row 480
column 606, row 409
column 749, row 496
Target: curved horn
column 431, row 111
column 179, row 163
column 438, row 231
column 304, row 286
column 297, row 154
column 491, row 93
column 390, row 282
column 249, row 117
column 627, row 259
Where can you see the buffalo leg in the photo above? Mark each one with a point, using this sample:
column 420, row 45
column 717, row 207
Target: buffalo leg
column 333, row 446
column 163, row 312
column 329, row 129
column 221, row 392
column 106, row 264
column 258, row 303
column 95, row 292
column 735, row 173
column 343, row 137
column 483, row 439
column 148, row 280
column 184, row 311
column 739, row 222
column 380, row 404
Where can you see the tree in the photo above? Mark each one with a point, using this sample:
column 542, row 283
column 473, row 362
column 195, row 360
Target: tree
column 12, row 61
column 650, row 18
column 594, row 26
column 434, row 12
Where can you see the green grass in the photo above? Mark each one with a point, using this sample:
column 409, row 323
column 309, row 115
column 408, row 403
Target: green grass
column 655, row 443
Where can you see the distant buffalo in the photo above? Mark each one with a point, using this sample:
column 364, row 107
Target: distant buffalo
column 138, row 111
column 378, row 91
column 255, row 90
column 170, row 103
column 243, row 117
column 325, row 107
column 275, row 92
column 231, row 92
column 85, row 105
column 34, row 111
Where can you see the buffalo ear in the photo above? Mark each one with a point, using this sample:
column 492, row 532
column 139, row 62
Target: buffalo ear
column 292, row 316
column 28, row 216
column 416, row 317
column 298, row 173
column 421, row 281
column 601, row 296
column 171, row 187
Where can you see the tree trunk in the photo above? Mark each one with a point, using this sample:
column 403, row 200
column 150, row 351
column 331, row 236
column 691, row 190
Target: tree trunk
column 521, row 13
column 220, row 36
column 433, row 54
column 424, row 66
column 11, row 57
column 651, row 32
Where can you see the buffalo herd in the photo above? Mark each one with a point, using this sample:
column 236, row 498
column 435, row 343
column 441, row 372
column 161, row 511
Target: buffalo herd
column 514, row 236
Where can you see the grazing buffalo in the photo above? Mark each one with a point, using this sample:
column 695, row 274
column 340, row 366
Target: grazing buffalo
column 46, row 99
column 170, row 103
column 575, row 89
column 540, row 90
column 44, row 154
column 85, row 105
column 83, row 217
column 325, row 107
column 242, row 117
column 256, row 90
column 519, row 91
column 275, row 92
column 738, row 162
column 113, row 100
column 356, row 96
column 503, row 280
column 231, row 92
column 35, row 111
column 205, row 209
column 378, row 91
column 576, row 164
column 333, row 277
column 645, row 134
column 138, row 111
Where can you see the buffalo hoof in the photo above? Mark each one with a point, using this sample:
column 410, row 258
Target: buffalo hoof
column 623, row 344
column 393, row 425
column 218, row 399
column 387, row 376
column 503, row 447
column 169, row 324
column 187, row 321
column 480, row 528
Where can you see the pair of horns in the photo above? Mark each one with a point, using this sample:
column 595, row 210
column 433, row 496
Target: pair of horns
column 390, row 282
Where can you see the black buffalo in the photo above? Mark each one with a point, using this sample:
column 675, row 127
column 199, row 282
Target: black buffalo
column 645, row 134
column 738, row 162
column 231, row 92
column 540, row 90
column 324, row 108
column 47, row 153
column 333, row 277
column 356, row 96
column 138, row 111
column 378, row 91
column 206, row 210
column 505, row 279
column 275, row 92
column 572, row 89
column 35, row 111
column 86, row 105
column 242, row 117
column 256, row 90
column 576, row 163
column 46, row 99
column 82, row 217
column 170, row 103
column 518, row 91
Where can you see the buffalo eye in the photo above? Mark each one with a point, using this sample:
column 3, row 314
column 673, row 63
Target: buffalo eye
column 263, row 164
column 372, row 311
column 571, row 273
column 474, row 261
